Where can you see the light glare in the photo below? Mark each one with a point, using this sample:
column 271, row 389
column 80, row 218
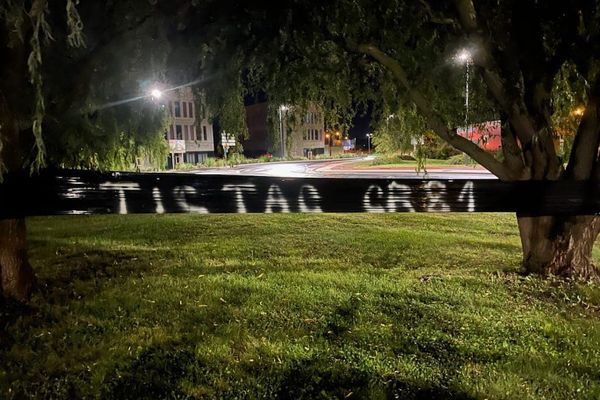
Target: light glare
column 464, row 56
column 156, row 94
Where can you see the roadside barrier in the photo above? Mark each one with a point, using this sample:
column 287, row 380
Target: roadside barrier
column 88, row 192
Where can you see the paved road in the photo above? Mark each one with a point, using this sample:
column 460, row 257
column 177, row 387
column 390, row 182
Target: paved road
column 343, row 169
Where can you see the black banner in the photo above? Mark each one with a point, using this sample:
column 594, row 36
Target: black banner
column 86, row 192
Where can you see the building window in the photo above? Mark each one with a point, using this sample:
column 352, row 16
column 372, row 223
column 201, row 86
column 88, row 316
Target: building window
column 177, row 109
column 190, row 110
column 311, row 118
column 311, row 134
column 184, row 104
column 204, row 132
column 186, row 132
column 171, row 133
column 178, row 133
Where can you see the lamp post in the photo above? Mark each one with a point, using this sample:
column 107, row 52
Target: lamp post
column 156, row 94
column 369, row 136
column 387, row 121
column 464, row 57
column 329, row 139
column 282, row 108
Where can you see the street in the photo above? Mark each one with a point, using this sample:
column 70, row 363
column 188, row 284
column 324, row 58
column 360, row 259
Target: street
column 344, row 169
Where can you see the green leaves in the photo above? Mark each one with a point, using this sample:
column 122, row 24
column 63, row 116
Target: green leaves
column 76, row 37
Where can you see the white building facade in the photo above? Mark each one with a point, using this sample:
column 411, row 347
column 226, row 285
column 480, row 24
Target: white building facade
column 189, row 135
column 306, row 139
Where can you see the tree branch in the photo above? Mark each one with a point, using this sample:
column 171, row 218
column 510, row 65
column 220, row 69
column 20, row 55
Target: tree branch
column 583, row 158
column 490, row 72
column 536, row 141
column 434, row 120
column 513, row 156
column 433, row 18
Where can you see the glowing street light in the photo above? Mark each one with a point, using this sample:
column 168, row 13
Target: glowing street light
column 465, row 57
column 579, row 111
column 156, row 94
column 282, row 109
column 369, row 136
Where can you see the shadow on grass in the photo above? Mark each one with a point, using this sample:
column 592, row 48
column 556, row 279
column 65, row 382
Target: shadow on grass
column 10, row 312
column 342, row 319
column 85, row 270
column 172, row 371
column 154, row 374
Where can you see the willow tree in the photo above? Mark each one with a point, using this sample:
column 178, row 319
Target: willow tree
column 64, row 68
column 518, row 50
column 69, row 98
column 398, row 53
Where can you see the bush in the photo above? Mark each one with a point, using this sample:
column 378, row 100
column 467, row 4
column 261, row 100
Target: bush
column 210, row 162
column 266, row 158
column 392, row 159
column 458, row 159
column 185, row 166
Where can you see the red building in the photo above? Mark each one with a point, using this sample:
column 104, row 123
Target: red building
column 485, row 134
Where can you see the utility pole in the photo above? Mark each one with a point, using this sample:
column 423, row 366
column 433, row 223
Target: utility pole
column 464, row 57
column 282, row 108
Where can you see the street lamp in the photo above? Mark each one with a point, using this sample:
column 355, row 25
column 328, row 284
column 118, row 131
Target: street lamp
column 329, row 139
column 156, row 94
column 369, row 136
column 465, row 57
column 282, row 109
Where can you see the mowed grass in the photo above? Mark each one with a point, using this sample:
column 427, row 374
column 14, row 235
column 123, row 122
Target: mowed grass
column 295, row 306
column 391, row 162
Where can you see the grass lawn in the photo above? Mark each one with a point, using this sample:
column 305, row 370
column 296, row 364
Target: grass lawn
column 295, row 306
column 383, row 162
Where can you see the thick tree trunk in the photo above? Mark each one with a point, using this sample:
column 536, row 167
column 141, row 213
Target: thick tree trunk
column 559, row 246
column 16, row 274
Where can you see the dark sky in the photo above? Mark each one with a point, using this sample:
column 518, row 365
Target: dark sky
column 360, row 127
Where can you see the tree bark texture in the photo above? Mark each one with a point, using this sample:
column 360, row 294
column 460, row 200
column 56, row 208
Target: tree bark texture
column 16, row 273
column 560, row 246
column 17, row 278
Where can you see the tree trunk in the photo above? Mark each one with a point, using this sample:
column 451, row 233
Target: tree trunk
column 16, row 274
column 561, row 246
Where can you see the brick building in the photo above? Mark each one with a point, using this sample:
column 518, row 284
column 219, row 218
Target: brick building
column 306, row 138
